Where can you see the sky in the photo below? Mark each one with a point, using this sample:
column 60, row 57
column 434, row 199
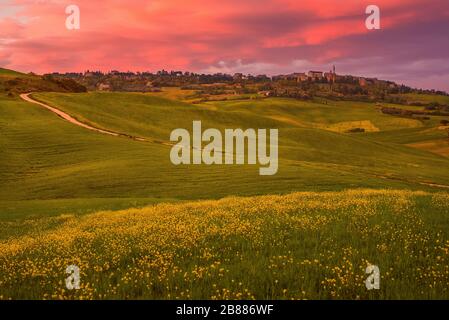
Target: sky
column 249, row 36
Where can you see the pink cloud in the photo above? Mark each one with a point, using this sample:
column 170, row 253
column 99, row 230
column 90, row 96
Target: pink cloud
column 196, row 35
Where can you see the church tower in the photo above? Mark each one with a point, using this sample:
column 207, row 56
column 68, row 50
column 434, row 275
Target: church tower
column 334, row 75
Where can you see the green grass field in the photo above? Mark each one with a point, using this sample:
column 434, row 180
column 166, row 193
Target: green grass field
column 48, row 159
column 54, row 175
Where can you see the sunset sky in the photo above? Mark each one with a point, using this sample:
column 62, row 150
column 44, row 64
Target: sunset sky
column 249, row 36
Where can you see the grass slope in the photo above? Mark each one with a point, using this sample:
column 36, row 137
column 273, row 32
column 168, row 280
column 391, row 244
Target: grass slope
column 7, row 72
column 49, row 166
column 13, row 83
column 55, row 176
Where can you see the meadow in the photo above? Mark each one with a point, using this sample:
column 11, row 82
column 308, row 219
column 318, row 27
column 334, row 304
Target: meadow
column 306, row 245
column 140, row 227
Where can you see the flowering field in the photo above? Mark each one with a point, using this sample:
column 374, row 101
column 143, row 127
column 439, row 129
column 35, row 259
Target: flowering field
column 303, row 245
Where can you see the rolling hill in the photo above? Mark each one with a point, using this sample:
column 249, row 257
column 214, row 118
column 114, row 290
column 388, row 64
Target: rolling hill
column 51, row 163
column 10, row 73
column 354, row 187
column 12, row 83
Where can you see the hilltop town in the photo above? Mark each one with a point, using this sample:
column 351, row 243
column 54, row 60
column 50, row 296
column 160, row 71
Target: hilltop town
column 300, row 85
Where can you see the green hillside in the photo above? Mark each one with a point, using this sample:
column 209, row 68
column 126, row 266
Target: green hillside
column 52, row 166
column 7, row 72
column 355, row 187
column 13, row 83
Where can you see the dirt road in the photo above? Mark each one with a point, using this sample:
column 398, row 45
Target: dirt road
column 69, row 118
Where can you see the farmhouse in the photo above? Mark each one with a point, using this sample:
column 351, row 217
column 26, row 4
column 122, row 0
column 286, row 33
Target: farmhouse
column 315, row 74
column 300, row 76
column 104, row 87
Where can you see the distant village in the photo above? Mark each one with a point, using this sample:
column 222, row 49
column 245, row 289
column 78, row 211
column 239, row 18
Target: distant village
column 144, row 81
column 301, row 85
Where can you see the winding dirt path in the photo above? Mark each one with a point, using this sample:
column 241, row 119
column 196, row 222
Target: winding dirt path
column 69, row 118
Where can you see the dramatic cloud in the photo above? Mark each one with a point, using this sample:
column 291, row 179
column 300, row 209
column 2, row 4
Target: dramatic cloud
column 251, row 36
